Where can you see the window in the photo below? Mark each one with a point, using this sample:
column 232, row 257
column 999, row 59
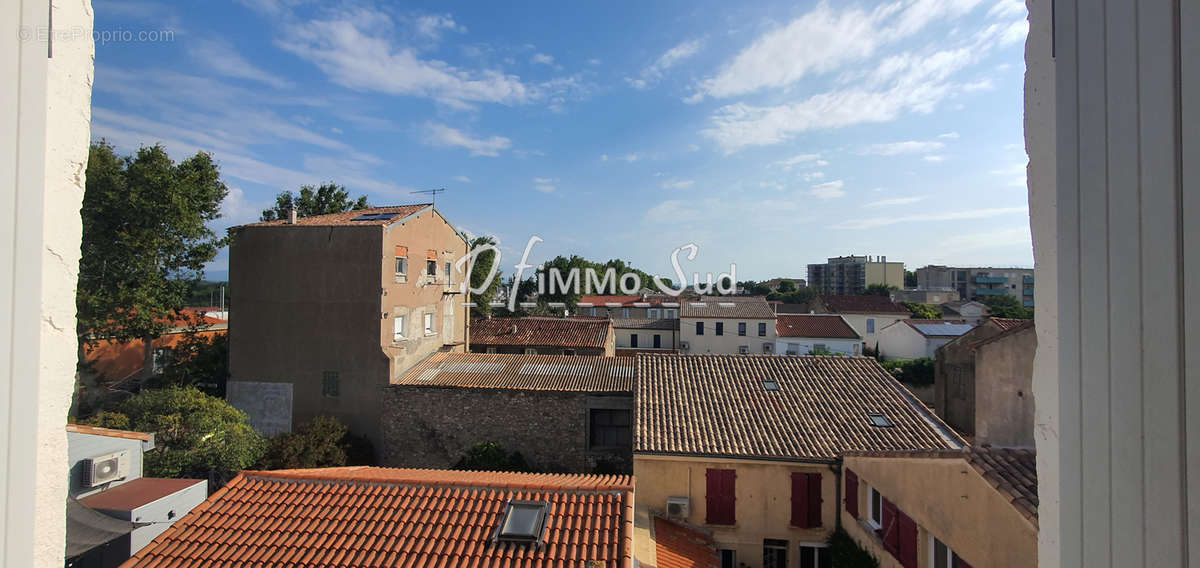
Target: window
column 793, row 349
column 633, row 340
column 523, row 521
column 744, row 349
column 591, row 311
column 398, row 328
column 770, row 384
column 870, row 325
column 652, row 313
column 806, row 500
column 728, row 558
column 431, row 267
column 447, row 267
column 941, row 556
column 657, row 341
column 762, row 329
column 720, row 328
column 428, row 324
column 875, row 502
column 331, row 384
column 610, row 428
column 775, row 553
column 699, row 328
column 401, row 265
column 814, row 556
column 880, row 420
column 719, row 496
column 671, row 313
column 624, row 312
column 491, row 349
column 820, row 348
column 741, row 328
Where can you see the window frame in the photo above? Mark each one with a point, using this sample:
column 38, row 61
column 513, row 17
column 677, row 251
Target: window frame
column 732, row 557
column 331, row 384
column 719, row 328
column 401, row 266
column 741, row 329
column 624, row 312
column 658, row 341
column 874, row 507
column 870, row 325
column 700, row 328
column 633, row 341
column 773, row 544
column 624, row 432
column 652, row 313
column 401, row 335
column 431, row 267
column 816, row 548
column 762, row 329
column 428, row 321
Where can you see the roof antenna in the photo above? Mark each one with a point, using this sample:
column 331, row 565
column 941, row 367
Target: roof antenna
column 432, row 193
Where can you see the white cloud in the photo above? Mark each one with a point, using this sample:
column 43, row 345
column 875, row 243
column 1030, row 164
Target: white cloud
column 949, row 135
column 823, row 40
column 355, row 49
column 463, row 179
column 934, row 158
column 432, row 25
column 906, row 147
column 872, row 223
column 895, row 201
column 654, row 72
column 1015, row 173
column 545, row 185
column 676, row 183
column 442, row 135
column 225, row 60
column 812, row 176
column 827, row 190
column 797, row 160
column 542, row 59
column 1007, row 9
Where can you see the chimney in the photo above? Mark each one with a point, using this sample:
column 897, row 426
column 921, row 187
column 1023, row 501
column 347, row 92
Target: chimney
column 291, row 215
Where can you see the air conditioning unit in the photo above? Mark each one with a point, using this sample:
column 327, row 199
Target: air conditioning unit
column 766, row 347
column 103, row 469
column 744, row 349
column 678, row 508
column 683, row 345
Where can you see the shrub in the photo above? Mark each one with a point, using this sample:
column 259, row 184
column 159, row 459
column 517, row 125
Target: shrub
column 918, row 372
column 844, row 552
column 490, row 456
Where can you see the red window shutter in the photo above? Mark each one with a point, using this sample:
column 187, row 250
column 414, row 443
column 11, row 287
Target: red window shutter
column 814, row 500
column 908, row 541
column 852, row 493
column 800, row 499
column 401, row 251
column 889, row 533
column 720, row 497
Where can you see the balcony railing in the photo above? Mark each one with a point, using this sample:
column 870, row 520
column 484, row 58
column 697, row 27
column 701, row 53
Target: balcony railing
column 990, row 291
column 1027, row 279
column 990, row 279
column 1027, row 292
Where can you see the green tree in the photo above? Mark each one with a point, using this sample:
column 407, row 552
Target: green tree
column 1006, row 306
column 320, row 442
column 145, row 239
column 327, row 198
column 786, row 286
column 922, row 311
column 911, row 371
column 845, row 552
column 755, row 288
column 479, row 272
column 879, row 290
column 910, row 279
column 195, row 435
column 802, row 295
column 200, row 360
column 490, row 456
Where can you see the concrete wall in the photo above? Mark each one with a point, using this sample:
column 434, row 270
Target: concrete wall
column 804, row 345
column 163, row 513
column 729, row 341
column 948, row 499
column 669, row 338
column 434, row 427
column 901, row 341
column 954, row 378
column 85, row 446
column 1004, row 390
column 45, row 113
column 763, row 492
column 858, row 322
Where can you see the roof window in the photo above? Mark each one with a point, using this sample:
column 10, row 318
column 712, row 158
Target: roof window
column 880, row 420
column 523, row 521
column 771, row 384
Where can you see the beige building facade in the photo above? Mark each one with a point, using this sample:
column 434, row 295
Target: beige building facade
column 331, row 309
column 727, row 325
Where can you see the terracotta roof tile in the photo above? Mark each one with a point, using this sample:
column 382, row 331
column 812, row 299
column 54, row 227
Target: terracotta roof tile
column 649, row 300
column 368, row 516
column 1006, row 324
column 1013, row 472
column 137, row 492
column 750, row 307
column 540, row 331
column 861, row 304
column 814, row 325
column 523, row 372
column 717, row 405
column 345, row 218
column 111, row 433
column 679, row 546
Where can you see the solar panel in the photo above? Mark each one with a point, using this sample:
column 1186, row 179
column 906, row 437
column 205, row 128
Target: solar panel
column 374, row 216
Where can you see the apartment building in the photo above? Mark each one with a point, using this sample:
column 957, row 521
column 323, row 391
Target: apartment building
column 645, row 306
column 852, row 274
column 933, row 297
column 747, row 447
column 973, row 283
column 868, row 315
column 727, row 325
column 546, row 335
column 332, row 307
column 816, row 334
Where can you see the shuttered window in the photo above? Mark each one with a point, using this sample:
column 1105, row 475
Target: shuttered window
column 719, row 497
column 889, row 529
column 806, row 500
column 898, row 532
column 852, row 493
column 908, row 541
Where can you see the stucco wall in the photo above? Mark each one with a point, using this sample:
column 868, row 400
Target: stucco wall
column 901, row 341
column 435, row 426
column 948, row 499
column 763, row 492
column 85, row 446
column 729, row 341
column 805, row 344
column 1004, row 390
column 859, row 323
column 669, row 338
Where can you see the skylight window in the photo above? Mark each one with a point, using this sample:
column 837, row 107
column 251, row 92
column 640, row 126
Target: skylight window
column 771, row 384
column 880, row 420
column 374, row 216
column 523, row 521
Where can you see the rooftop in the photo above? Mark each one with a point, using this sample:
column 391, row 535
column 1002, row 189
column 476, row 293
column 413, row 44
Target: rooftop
column 111, row 433
column 370, row 516
column 137, row 492
column 830, row 326
column 523, row 372
column 646, row 301
column 534, row 330
column 1013, row 472
column 724, row 405
column 680, row 546
column 370, row 216
column 862, row 304
column 1006, row 324
column 646, row 323
column 939, row 328
column 749, row 307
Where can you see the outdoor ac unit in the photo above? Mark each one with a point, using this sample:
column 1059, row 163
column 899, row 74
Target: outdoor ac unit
column 103, row 469
column 766, row 348
column 678, row 508
column 684, row 345
column 744, row 349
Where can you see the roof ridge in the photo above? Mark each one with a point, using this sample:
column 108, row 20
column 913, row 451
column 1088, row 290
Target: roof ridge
column 459, row 478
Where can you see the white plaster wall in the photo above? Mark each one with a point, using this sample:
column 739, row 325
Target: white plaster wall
column 901, row 341
column 805, row 344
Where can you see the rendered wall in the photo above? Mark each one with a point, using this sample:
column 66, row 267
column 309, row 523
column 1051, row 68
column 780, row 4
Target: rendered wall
column 729, row 341
column 1004, row 390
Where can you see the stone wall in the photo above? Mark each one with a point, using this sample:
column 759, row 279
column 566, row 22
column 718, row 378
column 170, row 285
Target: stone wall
column 433, row 427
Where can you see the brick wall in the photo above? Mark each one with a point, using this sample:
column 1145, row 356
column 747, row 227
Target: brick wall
column 435, row 426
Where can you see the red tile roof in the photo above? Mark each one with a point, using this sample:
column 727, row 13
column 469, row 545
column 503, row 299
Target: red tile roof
column 1013, row 472
column 650, row 300
column 586, row 373
column 540, row 331
column 369, row 516
column 111, row 433
column 679, row 546
column 749, row 307
column 344, row 218
column 830, row 326
column 137, row 492
column 861, row 304
column 1006, row 324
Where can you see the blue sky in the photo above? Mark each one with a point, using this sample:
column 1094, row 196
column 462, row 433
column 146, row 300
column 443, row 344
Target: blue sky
column 770, row 134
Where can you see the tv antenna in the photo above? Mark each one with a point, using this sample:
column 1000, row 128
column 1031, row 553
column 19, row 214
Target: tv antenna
column 432, row 193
